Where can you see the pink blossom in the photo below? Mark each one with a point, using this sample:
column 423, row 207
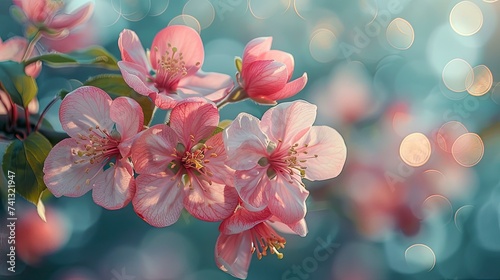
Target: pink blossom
column 49, row 15
column 13, row 49
column 96, row 155
column 175, row 60
column 246, row 232
column 85, row 36
column 265, row 74
column 271, row 157
column 51, row 235
column 178, row 168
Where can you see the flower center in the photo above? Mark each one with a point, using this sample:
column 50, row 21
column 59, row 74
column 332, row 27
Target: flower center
column 99, row 147
column 263, row 238
column 171, row 68
column 287, row 162
column 193, row 161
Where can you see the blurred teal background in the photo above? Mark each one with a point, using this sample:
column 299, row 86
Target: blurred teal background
column 379, row 71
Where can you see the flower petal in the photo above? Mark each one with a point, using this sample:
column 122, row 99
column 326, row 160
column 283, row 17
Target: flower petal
column 193, row 120
column 63, row 176
column 70, row 21
column 137, row 77
column 264, row 77
column 289, row 90
column 243, row 220
column 210, row 202
column 289, row 121
column 78, row 39
column 217, row 165
column 13, row 49
column 114, row 188
column 255, row 48
column 152, row 150
column 252, row 186
column 233, row 253
column 329, row 146
column 128, row 116
column 165, row 100
column 132, row 50
column 299, row 227
column 185, row 40
column 85, row 107
column 245, row 142
column 33, row 69
column 287, row 200
column 212, row 86
column 158, row 199
column 282, row 57
column 32, row 8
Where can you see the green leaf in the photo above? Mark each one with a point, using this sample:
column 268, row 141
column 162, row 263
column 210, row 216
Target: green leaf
column 92, row 56
column 216, row 131
column 21, row 87
column 110, row 83
column 25, row 158
column 115, row 86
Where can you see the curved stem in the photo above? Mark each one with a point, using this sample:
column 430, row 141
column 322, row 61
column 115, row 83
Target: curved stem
column 31, row 45
column 236, row 94
column 13, row 113
column 8, row 113
column 27, row 118
column 52, row 102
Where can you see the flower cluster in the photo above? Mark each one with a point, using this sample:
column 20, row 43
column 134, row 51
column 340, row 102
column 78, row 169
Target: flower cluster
column 247, row 173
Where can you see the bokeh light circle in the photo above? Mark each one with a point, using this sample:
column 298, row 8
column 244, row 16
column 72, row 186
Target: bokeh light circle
column 483, row 80
column 264, row 9
column 461, row 216
column 415, row 149
column 468, row 149
column 186, row 20
column 437, row 207
column 400, row 34
column 457, row 75
column 323, row 45
column 202, row 10
column 421, row 257
column 495, row 94
column 448, row 134
column 466, row 18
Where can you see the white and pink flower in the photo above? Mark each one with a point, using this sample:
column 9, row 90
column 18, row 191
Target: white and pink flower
column 96, row 156
column 245, row 233
column 271, row 157
column 183, row 166
column 172, row 72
